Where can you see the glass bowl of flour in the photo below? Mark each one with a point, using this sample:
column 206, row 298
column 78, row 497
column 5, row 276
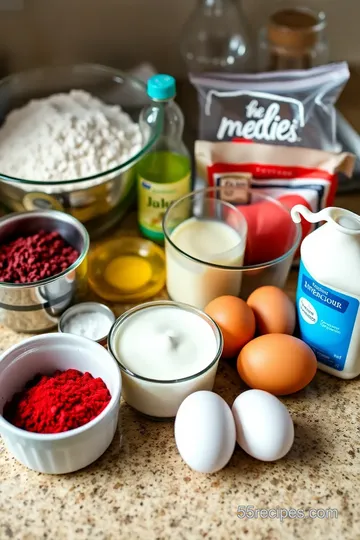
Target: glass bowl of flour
column 70, row 140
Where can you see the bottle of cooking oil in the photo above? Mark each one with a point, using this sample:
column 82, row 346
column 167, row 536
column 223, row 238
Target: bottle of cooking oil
column 164, row 174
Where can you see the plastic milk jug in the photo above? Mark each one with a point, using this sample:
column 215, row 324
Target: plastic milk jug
column 328, row 291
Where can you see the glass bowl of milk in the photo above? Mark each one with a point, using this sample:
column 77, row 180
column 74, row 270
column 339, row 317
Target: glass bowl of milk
column 215, row 247
column 166, row 351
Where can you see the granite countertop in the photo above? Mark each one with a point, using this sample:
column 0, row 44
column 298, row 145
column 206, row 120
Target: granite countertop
column 140, row 488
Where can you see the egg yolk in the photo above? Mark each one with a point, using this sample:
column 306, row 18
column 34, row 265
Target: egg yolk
column 128, row 273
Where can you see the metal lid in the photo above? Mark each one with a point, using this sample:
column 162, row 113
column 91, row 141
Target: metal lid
column 86, row 309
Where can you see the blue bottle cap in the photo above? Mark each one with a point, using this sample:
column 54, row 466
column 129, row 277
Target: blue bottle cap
column 161, row 87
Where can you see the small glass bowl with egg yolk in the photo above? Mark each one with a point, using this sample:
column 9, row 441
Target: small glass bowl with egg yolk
column 128, row 269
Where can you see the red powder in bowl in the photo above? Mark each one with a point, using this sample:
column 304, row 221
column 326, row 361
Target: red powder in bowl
column 57, row 403
column 32, row 258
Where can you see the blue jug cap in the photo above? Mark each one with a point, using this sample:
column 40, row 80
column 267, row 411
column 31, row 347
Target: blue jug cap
column 161, row 87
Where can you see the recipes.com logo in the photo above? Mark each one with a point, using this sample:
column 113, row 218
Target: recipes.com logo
column 250, row 512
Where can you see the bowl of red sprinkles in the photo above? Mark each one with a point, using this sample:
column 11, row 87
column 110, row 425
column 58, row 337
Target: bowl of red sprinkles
column 43, row 268
column 59, row 402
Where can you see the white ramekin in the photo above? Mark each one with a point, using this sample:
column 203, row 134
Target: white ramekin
column 72, row 450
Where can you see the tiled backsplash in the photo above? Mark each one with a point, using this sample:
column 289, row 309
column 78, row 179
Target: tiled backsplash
column 124, row 32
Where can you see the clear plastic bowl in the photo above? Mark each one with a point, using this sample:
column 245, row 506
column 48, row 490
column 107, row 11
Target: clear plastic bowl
column 99, row 200
column 272, row 239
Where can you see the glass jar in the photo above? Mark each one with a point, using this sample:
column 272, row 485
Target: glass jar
column 214, row 38
column 294, row 38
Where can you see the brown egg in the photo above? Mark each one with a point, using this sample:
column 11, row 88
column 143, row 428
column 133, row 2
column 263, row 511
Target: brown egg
column 277, row 363
column 236, row 321
column 274, row 311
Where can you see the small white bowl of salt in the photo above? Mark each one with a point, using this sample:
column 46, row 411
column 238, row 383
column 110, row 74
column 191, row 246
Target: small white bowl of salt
column 88, row 319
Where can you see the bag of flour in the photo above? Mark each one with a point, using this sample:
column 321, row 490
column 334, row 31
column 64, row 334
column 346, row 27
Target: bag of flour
column 293, row 108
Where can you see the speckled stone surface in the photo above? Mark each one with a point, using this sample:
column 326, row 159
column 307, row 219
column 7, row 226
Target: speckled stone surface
column 140, row 488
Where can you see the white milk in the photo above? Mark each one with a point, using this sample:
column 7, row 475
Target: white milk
column 197, row 283
column 165, row 342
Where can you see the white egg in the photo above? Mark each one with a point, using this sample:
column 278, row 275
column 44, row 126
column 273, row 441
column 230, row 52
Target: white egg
column 264, row 428
column 205, row 432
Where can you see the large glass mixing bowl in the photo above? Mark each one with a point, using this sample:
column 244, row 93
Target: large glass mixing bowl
column 100, row 200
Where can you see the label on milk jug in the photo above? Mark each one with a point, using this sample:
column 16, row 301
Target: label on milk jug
column 326, row 319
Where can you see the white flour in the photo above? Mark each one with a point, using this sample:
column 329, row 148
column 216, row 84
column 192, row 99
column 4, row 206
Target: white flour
column 66, row 137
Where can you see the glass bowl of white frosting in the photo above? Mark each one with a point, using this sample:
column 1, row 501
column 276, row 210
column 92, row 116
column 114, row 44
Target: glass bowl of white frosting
column 69, row 140
column 166, row 351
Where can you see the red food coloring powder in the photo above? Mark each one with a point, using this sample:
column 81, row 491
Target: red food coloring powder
column 57, row 403
column 31, row 258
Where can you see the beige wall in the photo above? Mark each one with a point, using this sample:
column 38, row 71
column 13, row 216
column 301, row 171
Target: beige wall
column 124, row 32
